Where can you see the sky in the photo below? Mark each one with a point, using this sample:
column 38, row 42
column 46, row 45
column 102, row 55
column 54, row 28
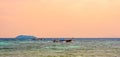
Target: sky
column 60, row 18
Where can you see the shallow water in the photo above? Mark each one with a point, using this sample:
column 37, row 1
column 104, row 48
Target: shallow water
column 46, row 48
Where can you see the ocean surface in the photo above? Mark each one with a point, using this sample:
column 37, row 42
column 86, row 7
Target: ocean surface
column 49, row 39
column 10, row 41
column 81, row 47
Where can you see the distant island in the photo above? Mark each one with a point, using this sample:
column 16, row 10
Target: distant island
column 26, row 37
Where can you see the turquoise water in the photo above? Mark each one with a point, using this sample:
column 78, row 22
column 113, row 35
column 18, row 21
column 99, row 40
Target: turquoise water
column 47, row 48
column 48, row 44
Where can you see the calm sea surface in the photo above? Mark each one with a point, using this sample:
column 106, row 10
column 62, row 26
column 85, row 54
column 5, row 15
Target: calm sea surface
column 79, row 47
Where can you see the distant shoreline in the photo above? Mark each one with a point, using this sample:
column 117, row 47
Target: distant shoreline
column 66, row 37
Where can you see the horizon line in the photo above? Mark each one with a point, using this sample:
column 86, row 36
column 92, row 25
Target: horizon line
column 66, row 37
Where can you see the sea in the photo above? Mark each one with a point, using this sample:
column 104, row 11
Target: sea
column 49, row 39
column 13, row 43
column 45, row 47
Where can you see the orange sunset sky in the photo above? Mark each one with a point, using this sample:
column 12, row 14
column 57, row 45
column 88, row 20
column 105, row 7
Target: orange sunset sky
column 60, row 18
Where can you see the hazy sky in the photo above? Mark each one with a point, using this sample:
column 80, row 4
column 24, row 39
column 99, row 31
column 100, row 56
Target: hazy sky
column 60, row 18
